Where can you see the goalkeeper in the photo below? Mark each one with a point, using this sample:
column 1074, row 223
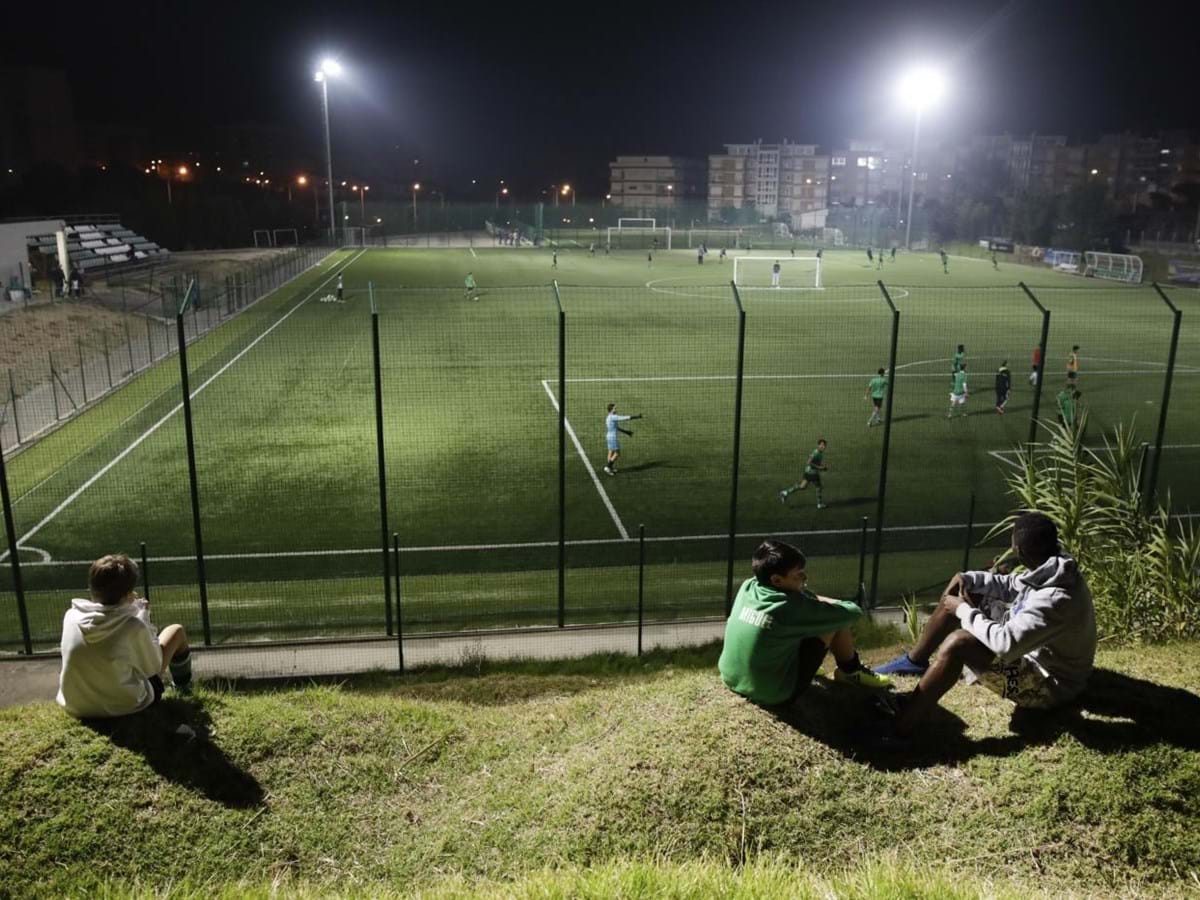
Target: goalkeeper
column 611, row 428
column 470, row 291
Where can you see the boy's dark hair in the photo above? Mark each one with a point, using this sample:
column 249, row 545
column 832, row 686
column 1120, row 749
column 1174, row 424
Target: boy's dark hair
column 611, row 407
column 111, row 578
column 1035, row 536
column 774, row 558
column 823, row 441
column 961, row 348
column 1076, row 347
column 881, row 370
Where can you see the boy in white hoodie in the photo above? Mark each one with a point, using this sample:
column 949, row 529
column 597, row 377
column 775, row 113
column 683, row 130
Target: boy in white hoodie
column 113, row 658
column 1031, row 638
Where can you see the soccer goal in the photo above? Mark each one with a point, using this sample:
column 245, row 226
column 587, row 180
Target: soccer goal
column 754, row 272
column 638, row 237
column 1113, row 267
column 1182, row 271
column 1062, row 260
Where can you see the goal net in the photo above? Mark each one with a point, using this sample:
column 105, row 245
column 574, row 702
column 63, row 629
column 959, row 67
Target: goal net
column 752, row 272
column 1113, row 267
column 1062, row 260
column 648, row 237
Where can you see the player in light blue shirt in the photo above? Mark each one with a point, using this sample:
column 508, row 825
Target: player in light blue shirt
column 611, row 428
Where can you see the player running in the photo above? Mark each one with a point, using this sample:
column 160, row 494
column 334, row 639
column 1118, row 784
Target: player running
column 592, row 249
column 699, row 256
column 611, row 428
column 812, row 474
column 960, row 359
column 775, row 270
column 879, row 265
column 650, row 260
column 721, row 257
column 893, row 253
column 554, row 259
column 870, row 256
column 1073, row 365
column 945, row 262
column 877, row 390
column 1003, row 386
column 1066, row 406
column 340, row 288
column 1037, row 361
column 469, row 287
column 958, row 393
column 995, row 262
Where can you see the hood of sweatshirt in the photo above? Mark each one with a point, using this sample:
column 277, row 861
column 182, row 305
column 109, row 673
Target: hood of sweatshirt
column 1059, row 571
column 97, row 621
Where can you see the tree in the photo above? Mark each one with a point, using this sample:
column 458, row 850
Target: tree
column 1033, row 218
column 1087, row 219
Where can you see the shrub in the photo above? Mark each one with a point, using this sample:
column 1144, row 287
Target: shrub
column 1143, row 568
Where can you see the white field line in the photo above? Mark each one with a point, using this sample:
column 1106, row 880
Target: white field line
column 153, row 428
column 827, row 375
column 587, row 463
column 473, row 253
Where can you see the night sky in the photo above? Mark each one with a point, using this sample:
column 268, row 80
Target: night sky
column 540, row 93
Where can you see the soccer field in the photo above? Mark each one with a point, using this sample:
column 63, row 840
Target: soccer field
column 287, row 468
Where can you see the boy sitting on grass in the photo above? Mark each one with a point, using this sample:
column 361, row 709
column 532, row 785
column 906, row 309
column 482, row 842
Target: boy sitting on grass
column 778, row 632
column 1031, row 638
column 113, row 659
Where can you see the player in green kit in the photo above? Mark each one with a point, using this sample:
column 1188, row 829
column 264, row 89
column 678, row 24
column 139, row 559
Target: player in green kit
column 812, row 474
column 877, row 390
column 469, row 287
column 945, row 262
column 1066, row 406
column 958, row 393
column 960, row 358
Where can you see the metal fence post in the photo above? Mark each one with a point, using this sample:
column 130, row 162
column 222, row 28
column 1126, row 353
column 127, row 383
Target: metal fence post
column 966, row 566
column 12, row 393
column 383, row 504
column 641, row 583
column 737, row 446
column 53, row 384
column 107, row 360
column 562, row 458
column 1041, row 367
column 881, row 500
column 145, row 572
column 862, row 561
column 1152, row 487
column 189, row 435
column 82, row 374
column 10, row 529
column 150, row 338
column 399, row 609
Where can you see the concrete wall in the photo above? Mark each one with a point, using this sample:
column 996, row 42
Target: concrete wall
column 14, row 248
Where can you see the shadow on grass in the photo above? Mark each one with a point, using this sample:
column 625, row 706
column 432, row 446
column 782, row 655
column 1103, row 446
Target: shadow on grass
column 1116, row 713
column 195, row 763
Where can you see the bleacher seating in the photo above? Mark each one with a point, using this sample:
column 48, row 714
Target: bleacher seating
column 101, row 246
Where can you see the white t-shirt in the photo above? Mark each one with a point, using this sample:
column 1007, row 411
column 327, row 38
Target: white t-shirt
column 109, row 654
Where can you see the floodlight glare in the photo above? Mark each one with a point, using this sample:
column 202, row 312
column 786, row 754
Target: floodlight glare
column 922, row 86
column 331, row 67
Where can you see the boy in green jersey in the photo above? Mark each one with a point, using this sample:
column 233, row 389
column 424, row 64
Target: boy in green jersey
column 469, row 287
column 960, row 356
column 876, row 390
column 958, row 393
column 945, row 262
column 812, row 474
column 778, row 632
column 1066, row 406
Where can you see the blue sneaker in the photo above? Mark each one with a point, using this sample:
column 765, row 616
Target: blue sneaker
column 901, row 665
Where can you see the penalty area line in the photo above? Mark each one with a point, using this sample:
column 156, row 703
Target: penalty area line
column 612, row 511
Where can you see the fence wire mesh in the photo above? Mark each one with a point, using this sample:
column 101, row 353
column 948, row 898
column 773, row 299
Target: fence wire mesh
column 497, row 520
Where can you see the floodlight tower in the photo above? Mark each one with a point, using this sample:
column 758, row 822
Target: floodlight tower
column 330, row 68
column 919, row 88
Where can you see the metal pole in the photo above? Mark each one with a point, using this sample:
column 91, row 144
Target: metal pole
column 966, row 566
column 1041, row 368
column 145, row 573
column 107, row 360
column 82, row 375
column 1141, row 479
column 192, row 478
column 1152, row 487
column 328, row 155
column 12, row 393
column 737, row 447
column 10, row 529
column 150, row 338
column 912, row 188
column 53, row 384
column 562, row 458
column 862, row 561
column 641, row 583
column 399, row 611
column 887, row 442
column 383, row 504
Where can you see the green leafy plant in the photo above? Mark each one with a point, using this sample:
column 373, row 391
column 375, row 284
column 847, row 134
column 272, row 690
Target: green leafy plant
column 1143, row 567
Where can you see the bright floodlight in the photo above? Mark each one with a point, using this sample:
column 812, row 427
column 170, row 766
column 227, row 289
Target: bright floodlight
column 922, row 86
column 331, row 67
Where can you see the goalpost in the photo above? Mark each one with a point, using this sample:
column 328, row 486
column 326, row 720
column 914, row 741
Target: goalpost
column 1113, row 267
column 637, row 234
column 756, row 272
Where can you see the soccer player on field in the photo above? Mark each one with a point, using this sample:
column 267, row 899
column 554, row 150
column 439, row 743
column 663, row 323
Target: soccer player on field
column 469, row 287
column 650, row 259
column 699, row 256
column 554, row 259
column 870, row 256
column 1003, row 386
column 879, row 264
column 812, row 474
column 1073, row 365
column 893, row 253
column 721, row 256
column 1037, row 361
column 775, row 274
column 793, row 251
column 960, row 358
column 959, row 393
column 592, row 249
column 945, row 262
column 995, row 263
column 820, row 250
column 876, row 390
column 611, row 428
column 1066, row 406
column 340, row 286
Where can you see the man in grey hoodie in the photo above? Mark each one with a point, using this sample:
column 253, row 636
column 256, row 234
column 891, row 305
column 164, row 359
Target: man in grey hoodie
column 113, row 658
column 1031, row 638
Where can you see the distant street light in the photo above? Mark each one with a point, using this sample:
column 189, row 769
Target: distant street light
column 302, row 181
column 330, row 68
column 416, row 187
column 918, row 88
column 604, row 202
column 566, row 188
column 503, row 192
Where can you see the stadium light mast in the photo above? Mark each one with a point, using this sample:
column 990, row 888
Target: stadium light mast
column 919, row 88
column 330, row 68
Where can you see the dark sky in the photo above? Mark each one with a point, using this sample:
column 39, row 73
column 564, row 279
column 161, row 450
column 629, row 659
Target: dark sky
column 541, row 93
